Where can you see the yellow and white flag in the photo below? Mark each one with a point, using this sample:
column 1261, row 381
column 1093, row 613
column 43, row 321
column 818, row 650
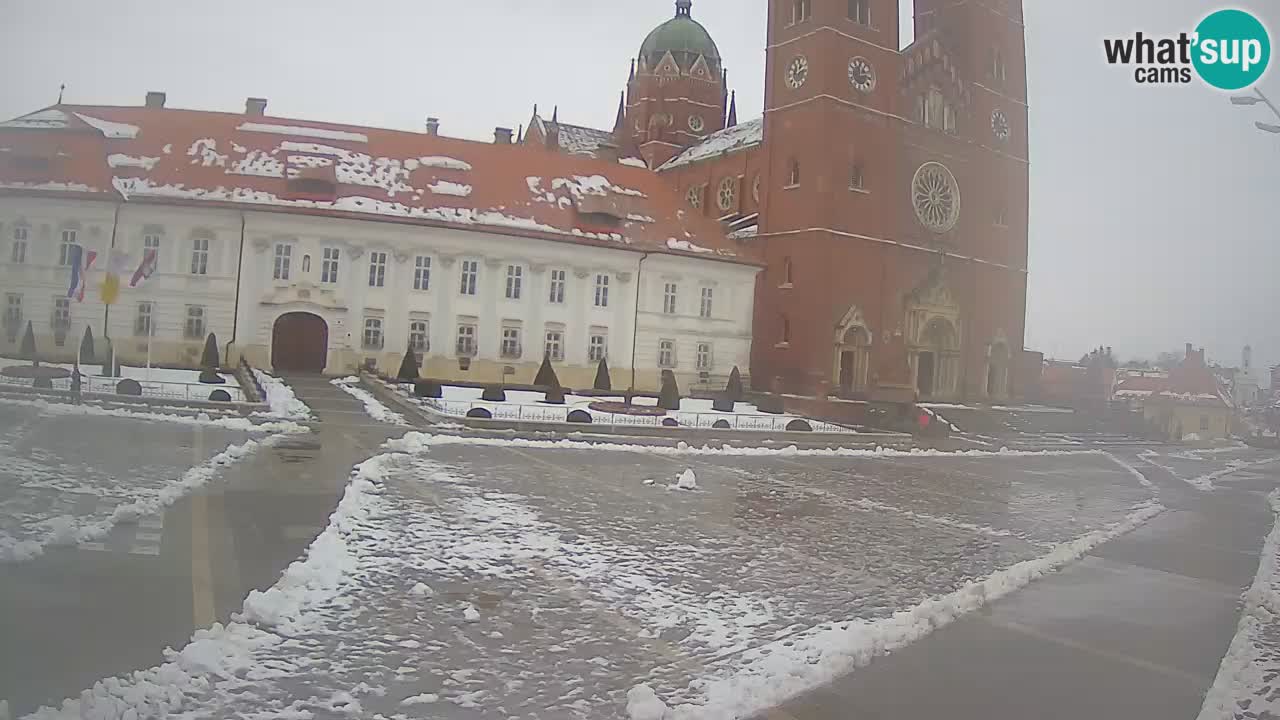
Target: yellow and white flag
column 118, row 265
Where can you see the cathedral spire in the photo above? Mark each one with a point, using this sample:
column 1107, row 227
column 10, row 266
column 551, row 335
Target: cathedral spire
column 733, row 110
column 619, row 123
column 683, row 7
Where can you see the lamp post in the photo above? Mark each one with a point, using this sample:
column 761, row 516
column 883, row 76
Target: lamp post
column 1254, row 99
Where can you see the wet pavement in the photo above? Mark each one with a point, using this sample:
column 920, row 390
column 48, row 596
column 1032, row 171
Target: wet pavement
column 492, row 580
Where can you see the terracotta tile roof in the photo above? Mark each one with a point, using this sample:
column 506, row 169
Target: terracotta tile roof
column 1191, row 382
column 146, row 154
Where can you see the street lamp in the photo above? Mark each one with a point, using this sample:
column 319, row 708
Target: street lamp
column 1254, row 99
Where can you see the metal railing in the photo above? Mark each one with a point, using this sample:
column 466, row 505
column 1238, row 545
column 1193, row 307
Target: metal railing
column 150, row 388
column 519, row 412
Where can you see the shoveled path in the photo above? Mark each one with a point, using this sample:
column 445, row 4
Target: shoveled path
column 72, row 617
column 1135, row 630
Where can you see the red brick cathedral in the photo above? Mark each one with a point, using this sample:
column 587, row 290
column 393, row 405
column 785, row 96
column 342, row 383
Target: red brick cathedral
column 884, row 190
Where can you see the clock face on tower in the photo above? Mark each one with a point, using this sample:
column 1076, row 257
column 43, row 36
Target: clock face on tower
column 797, row 72
column 861, row 76
column 1000, row 125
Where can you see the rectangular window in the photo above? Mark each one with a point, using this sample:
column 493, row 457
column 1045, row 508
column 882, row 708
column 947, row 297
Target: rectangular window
column 557, row 286
column 860, row 11
column 667, row 353
column 194, row 328
column 704, row 357
column 64, row 249
column 470, row 269
column 553, row 347
column 855, row 177
column 510, row 342
column 597, row 347
column 61, row 320
column 151, row 241
column 144, row 324
column 12, row 314
column 200, row 256
column 422, row 273
column 799, row 11
column 515, row 276
column 419, row 336
column 704, row 310
column 669, row 299
column 18, row 255
column 1204, row 423
column 284, row 253
column 466, row 339
column 329, row 266
column 373, row 333
column 602, row 291
column 377, row 269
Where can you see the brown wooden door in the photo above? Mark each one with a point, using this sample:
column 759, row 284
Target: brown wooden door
column 299, row 343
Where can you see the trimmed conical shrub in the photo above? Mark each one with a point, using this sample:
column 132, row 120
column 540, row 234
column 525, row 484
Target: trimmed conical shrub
column 86, row 346
column 408, row 371
column 546, row 376
column 669, row 396
column 602, row 376
column 27, row 351
column 733, row 388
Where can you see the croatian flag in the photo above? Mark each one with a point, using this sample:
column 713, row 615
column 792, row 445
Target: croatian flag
column 80, row 261
column 145, row 269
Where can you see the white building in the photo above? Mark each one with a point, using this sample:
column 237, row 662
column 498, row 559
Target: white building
column 315, row 247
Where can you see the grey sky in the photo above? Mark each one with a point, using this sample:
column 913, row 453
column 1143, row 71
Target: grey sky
column 1152, row 208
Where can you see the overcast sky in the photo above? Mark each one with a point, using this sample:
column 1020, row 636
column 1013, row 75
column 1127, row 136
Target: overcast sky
column 1153, row 209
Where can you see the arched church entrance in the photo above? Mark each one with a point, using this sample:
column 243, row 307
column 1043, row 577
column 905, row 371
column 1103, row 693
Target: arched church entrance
column 299, row 343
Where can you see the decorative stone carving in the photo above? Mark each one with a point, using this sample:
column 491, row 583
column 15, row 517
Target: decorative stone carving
column 581, row 273
column 446, row 261
column 492, row 263
column 400, row 256
column 623, row 277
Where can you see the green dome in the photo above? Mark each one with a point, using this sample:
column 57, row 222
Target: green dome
column 684, row 38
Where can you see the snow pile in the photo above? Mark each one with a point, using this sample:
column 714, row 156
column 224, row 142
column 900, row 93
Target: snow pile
column 226, row 423
column 643, row 704
column 775, row 672
column 1245, row 680
column 443, row 163
column 419, row 441
column 470, row 614
column 372, row 406
column 686, row 481
column 300, row 131
column 423, row 699
column 64, row 530
column 327, row 565
column 280, row 398
column 421, row 590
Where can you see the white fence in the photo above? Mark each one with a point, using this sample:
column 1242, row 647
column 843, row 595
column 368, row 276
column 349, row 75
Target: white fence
column 519, row 412
column 150, row 388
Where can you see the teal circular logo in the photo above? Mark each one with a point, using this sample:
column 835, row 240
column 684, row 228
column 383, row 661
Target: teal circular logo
column 1232, row 49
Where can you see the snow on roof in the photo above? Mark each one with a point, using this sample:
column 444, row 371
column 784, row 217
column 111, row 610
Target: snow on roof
column 304, row 131
column 111, row 129
column 167, row 155
column 739, row 137
column 634, row 162
column 577, row 139
column 48, row 118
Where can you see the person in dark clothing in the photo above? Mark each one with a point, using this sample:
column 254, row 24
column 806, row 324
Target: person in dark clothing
column 75, row 385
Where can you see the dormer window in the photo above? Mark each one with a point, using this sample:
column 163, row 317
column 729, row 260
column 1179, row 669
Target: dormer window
column 305, row 181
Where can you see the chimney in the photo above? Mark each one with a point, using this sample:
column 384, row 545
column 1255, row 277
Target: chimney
column 501, row 136
column 255, row 106
column 155, row 99
column 433, row 126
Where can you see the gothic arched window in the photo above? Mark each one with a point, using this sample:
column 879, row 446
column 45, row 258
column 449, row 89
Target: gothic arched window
column 793, row 178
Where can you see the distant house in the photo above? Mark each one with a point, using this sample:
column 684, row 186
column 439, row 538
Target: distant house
column 1189, row 403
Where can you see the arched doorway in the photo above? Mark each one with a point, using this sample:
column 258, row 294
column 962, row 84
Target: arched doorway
column 299, row 343
column 852, row 356
column 937, row 362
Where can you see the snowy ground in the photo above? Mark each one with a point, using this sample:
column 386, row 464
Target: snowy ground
column 693, row 413
column 478, row 578
column 375, row 408
column 67, row 476
column 159, row 382
column 1207, row 469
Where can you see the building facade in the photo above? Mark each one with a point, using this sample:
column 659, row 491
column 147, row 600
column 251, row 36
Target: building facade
column 885, row 189
column 313, row 247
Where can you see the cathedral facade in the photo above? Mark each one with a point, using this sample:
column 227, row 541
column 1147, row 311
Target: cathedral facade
column 885, row 190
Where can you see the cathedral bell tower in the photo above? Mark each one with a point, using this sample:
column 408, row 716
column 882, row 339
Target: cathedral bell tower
column 676, row 93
